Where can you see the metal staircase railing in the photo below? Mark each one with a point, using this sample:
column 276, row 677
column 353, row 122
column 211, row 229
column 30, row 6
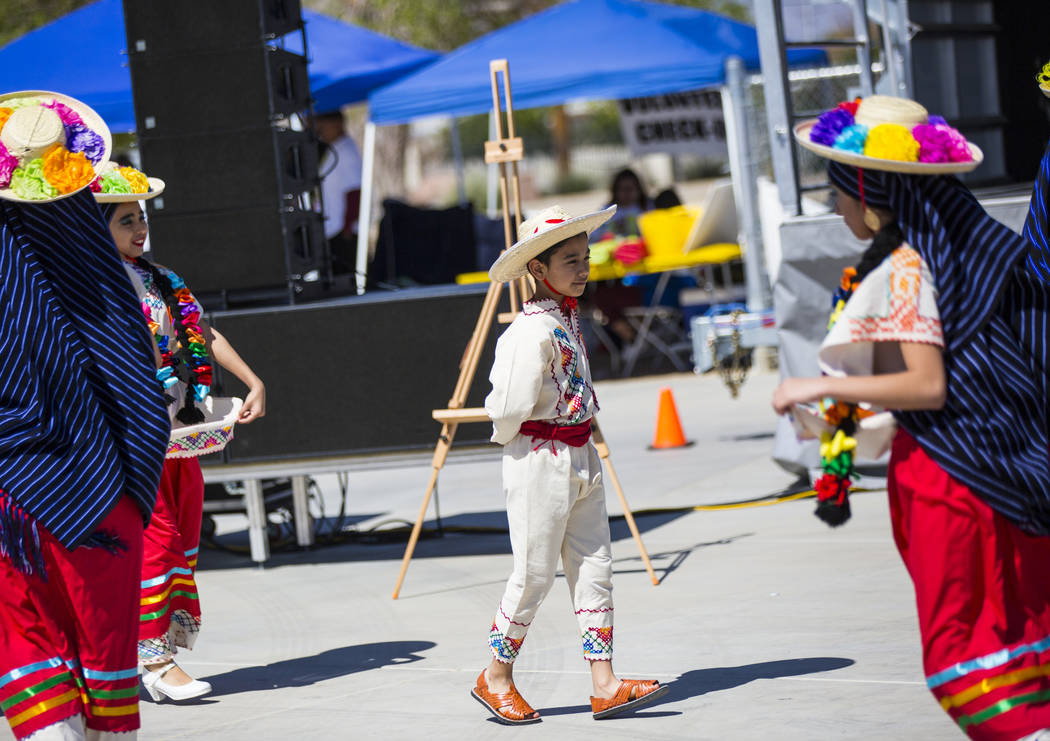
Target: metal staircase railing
column 781, row 112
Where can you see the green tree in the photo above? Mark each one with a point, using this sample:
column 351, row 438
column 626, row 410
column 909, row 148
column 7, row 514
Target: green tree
column 22, row 16
column 435, row 24
column 447, row 24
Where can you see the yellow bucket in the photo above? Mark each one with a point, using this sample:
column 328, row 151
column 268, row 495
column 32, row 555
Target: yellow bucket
column 665, row 230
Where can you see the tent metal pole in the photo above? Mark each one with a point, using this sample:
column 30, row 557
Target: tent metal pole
column 492, row 183
column 745, row 192
column 769, row 25
column 860, row 32
column 364, row 216
column 457, row 159
column 903, row 42
column 889, row 51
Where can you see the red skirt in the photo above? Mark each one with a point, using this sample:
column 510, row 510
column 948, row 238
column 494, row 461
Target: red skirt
column 983, row 599
column 67, row 644
column 169, row 563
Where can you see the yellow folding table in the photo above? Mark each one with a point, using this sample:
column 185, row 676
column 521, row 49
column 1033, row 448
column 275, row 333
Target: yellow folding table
column 664, row 264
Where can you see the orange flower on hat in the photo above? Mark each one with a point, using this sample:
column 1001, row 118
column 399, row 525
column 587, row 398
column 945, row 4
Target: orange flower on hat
column 5, row 113
column 67, row 171
column 136, row 179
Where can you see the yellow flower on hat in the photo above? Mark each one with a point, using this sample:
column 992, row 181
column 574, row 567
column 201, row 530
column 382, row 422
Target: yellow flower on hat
column 136, row 179
column 1044, row 75
column 67, row 171
column 891, row 142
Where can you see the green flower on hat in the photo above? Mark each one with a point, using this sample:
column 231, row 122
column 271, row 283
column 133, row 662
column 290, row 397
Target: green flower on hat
column 16, row 103
column 114, row 182
column 29, row 183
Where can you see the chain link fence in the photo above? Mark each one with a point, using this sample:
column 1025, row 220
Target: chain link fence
column 812, row 91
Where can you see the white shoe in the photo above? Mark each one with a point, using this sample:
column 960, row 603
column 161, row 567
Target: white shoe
column 156, row 686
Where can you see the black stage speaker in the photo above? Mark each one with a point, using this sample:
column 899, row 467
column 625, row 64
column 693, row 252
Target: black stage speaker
column 212, row 97
column 974, row 62
column 356, row 375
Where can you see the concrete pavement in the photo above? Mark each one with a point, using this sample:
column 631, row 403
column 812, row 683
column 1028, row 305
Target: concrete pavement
column 767, row 623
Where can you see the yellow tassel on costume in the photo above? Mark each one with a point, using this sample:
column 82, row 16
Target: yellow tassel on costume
column 825, row 445
column 836, row 444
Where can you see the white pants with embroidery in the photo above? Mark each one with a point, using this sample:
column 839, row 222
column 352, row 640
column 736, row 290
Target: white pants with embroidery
column 555, row 508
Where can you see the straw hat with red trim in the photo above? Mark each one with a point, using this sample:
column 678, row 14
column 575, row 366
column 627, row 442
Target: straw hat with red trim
column 544, row 230
column 882, row 132
column 51, row 146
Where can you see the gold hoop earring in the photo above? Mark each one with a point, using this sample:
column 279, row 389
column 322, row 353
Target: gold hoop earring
column 872, row 220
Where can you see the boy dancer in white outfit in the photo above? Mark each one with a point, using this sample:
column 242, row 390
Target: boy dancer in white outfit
column 541, row 406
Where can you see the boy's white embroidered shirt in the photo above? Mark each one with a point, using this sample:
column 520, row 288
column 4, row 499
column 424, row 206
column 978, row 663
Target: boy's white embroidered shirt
column 541, row 372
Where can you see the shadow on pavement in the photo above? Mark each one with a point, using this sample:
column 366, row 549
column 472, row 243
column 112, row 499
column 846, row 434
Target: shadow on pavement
column 467, row 534
column 702, row 681
column 307, row 670
column 666, row 562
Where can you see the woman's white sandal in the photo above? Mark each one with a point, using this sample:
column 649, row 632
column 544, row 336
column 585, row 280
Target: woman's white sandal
column 154, row 683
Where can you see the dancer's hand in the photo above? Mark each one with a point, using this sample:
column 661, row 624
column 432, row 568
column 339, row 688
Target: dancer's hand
column 254, row 404
column 793, row 391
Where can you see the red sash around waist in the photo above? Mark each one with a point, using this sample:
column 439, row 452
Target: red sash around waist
column 574, row 435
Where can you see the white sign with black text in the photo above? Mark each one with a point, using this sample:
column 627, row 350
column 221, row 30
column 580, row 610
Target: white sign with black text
column 675, row 123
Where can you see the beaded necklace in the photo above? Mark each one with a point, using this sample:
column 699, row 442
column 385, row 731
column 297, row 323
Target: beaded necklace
column 188, row 360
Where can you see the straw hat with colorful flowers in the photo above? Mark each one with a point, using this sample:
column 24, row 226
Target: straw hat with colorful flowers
column 116, row 184
column 882, row 132
column 50, row 146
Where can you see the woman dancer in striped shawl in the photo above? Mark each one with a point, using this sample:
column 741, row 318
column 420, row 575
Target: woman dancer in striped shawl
column 83, row 432
column 944, row 322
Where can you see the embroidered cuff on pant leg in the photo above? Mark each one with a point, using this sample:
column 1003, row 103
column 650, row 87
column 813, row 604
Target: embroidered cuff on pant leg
column 184, row 629
column 597, row 644
column 156, row 650
column 504, row 648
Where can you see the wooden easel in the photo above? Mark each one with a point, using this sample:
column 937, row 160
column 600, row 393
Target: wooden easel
column 502, row 151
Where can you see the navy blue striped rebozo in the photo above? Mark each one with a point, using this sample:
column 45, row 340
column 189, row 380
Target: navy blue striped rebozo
column 82, row 421
column 1037, row 225
column 993, row 433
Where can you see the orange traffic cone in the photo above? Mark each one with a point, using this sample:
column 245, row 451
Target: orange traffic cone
column 668, row 429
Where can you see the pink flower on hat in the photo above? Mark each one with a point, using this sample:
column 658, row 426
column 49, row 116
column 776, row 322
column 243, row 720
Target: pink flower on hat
column 67, row 114
column 8, row 163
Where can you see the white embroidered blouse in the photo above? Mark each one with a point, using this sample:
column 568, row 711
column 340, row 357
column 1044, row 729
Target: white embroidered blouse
column 895, row 303
column 541, row 372
column 153, row 305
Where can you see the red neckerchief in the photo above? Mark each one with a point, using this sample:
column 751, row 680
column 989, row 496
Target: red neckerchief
column 568, row 303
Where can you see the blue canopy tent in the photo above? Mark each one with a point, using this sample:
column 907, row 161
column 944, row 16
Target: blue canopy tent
column 578, row 50
column 82, row 54
column 581, row 50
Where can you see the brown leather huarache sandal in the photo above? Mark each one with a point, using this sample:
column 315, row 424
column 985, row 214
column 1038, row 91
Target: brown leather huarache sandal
column 509, row 707
column 631, row 694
